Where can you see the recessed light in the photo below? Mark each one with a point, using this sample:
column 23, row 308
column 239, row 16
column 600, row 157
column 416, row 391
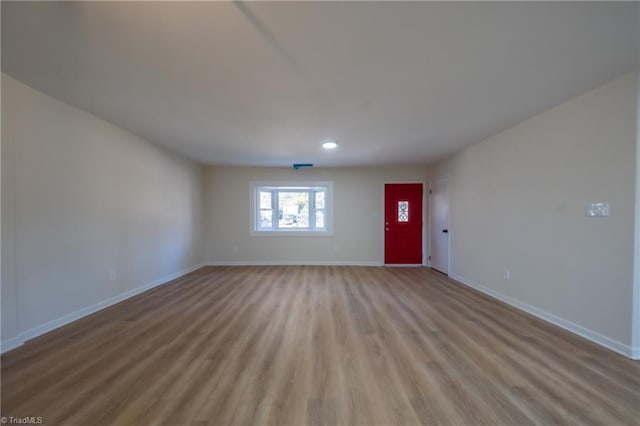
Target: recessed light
column 329, row 145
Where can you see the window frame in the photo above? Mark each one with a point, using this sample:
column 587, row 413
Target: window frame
column 276, row 187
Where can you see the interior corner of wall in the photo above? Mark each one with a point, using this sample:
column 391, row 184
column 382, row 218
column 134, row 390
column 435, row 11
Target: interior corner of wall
column 635, row 321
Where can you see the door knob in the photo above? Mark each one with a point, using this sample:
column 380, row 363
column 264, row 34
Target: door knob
column 446, row 231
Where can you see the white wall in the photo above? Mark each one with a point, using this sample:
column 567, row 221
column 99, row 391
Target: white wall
column 518, row 202
column 358, row 215
column 81, row 197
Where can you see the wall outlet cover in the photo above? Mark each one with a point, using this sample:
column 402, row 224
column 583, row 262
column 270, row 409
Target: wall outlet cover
column 598, row 209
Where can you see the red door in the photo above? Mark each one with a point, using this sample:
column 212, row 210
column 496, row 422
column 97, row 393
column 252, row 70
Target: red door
column 403, row 223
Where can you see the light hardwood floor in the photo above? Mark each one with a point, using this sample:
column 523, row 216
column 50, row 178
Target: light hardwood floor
column 317, row 345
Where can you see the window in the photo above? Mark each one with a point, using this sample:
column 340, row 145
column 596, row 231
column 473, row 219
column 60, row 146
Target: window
column 403, row 211
column 288, row 209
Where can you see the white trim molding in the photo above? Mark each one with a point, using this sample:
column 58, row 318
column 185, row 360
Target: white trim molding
column 295, row 263
column 595, row 337
column 403, row 265
column 14, row 342
column 21, row 338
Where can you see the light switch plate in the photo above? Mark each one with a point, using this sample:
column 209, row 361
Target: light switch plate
column 598, row 209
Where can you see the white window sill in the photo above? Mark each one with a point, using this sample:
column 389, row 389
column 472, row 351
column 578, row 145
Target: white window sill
column 281, row 233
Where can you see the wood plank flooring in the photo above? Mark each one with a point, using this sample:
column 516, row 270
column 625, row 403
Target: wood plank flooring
column 317, row 345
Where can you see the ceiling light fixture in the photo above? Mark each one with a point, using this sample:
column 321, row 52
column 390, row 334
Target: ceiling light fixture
column 329, row 145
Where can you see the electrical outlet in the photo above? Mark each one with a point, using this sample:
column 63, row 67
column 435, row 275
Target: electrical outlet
column 507, row 274
column 598, row 209
column 112, row 275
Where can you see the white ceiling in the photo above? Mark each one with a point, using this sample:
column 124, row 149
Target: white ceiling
column 265, row 83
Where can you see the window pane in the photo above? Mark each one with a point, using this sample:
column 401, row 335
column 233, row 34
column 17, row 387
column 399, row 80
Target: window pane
column 320, row 200
column 265, row 219
column 265, row 200
column 293, row 209
column 403, row 211
column 320, row 219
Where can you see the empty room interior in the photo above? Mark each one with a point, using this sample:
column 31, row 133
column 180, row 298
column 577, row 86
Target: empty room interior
column 320, row 213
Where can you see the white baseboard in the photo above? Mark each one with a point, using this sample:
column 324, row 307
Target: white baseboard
column 39, row 330
column 294, row 263
column 403, row 265
column 12, row 343
column 600, row 339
